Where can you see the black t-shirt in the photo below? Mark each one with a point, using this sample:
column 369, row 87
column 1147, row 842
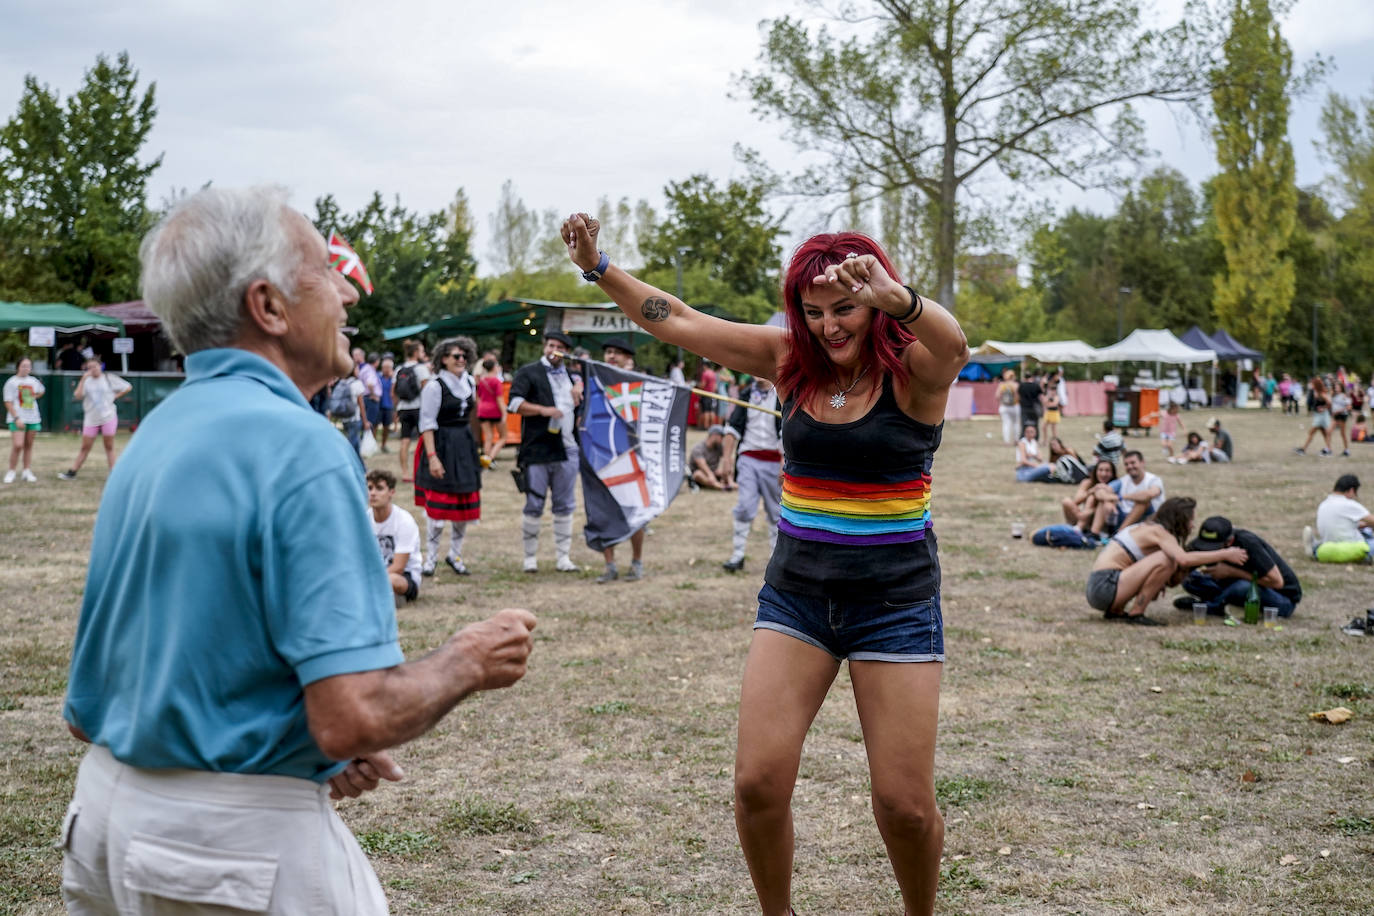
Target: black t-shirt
column 1029, row 392
column 1262, row 558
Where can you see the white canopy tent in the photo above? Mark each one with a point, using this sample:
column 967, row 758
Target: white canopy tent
column 1161, row 346
column 1045, row 351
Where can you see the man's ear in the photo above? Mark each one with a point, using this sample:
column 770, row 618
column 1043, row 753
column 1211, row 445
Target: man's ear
column 265, row 308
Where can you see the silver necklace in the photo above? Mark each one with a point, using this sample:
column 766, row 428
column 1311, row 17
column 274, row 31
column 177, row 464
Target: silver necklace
column 838, row 398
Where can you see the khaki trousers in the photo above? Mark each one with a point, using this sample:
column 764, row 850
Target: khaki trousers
column 139, row 842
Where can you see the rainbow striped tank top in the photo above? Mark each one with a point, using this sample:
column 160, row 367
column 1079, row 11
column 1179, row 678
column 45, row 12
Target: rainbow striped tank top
column 856, row 516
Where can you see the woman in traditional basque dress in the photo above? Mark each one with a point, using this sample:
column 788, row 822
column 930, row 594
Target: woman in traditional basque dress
column 448, row 471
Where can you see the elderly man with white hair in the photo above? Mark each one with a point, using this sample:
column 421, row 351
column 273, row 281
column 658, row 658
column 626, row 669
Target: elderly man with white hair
column 236, row 662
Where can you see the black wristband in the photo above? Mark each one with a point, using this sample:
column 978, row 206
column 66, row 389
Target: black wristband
column 917, row 309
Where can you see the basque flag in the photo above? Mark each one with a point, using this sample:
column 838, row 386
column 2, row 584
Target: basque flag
column 633, row 440
column 345, row 260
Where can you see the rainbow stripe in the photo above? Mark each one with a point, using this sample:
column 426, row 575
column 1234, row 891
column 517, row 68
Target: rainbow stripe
column 851, row 512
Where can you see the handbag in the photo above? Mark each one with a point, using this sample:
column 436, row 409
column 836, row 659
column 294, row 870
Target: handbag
column 521, row 478
column 368, row 446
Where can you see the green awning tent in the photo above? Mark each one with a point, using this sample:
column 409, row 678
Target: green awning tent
column 68, row 319
column 528, row 315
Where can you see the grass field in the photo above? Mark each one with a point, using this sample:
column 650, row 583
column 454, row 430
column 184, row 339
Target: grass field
column 1083, row 767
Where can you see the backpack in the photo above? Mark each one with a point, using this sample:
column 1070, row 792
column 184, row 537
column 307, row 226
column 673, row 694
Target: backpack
column 1068, row 469
column 1008, row 397
column 342, row 405
column 406, row 387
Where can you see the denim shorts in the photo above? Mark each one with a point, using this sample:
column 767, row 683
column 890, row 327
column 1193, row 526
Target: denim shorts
column 864, row 631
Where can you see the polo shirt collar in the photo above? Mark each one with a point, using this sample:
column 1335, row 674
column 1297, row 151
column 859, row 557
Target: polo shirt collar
column 231, row 361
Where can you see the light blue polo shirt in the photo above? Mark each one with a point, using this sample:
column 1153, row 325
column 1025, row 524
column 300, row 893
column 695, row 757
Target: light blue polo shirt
column 233, row 562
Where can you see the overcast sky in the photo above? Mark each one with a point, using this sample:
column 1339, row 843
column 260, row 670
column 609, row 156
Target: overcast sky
column 570, row 101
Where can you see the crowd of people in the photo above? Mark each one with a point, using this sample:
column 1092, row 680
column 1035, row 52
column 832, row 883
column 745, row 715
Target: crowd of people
column 217, row 746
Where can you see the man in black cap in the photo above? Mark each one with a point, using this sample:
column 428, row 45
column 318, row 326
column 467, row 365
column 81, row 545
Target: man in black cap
column 1222, row 583
column 546, row 397
column 620, row 354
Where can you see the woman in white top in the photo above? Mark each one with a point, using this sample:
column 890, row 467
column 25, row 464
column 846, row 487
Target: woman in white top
column 98, row 390
column 21, row 394
column 1029, row 467
column 448, row 470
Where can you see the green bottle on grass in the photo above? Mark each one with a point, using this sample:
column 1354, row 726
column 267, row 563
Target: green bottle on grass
column 1252, row 602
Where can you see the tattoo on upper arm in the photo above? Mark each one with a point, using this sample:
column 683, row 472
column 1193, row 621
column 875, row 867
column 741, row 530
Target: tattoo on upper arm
column 656, row 308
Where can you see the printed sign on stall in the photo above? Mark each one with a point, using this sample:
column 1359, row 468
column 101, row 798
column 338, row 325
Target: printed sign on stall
column 124, row 345
column 42, row 337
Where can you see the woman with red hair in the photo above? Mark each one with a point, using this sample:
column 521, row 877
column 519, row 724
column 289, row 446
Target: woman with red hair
column 863, row 369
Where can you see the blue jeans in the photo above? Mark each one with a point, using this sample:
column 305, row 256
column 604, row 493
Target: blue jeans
column 1026, row 474
column 1232, row 592
column 353, row 430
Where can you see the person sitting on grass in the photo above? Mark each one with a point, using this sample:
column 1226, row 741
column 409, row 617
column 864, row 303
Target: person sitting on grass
column 1345, row 528
column 705, row 462
column 1140, row 492
column 1029, row 467
column 1142, row 560
column 398, row 536
column 1110, row 443
column 1359, row 432
column 1224, row 583
column 1194, row 450
column 1222, row 450
column 1093, row 509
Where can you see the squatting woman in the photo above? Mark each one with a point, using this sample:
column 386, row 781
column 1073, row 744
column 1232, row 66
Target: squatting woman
column 1141, row 560
column 448, row 472
column 863, row 369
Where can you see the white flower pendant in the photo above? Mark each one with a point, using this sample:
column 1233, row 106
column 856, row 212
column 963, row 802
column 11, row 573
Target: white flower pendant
column 837, row 400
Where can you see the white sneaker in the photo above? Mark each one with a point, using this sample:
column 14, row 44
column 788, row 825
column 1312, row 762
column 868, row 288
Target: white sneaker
column 9, row 476
column 531, row 564
column 1309, row 541
column 28, row 475
column 565, row 564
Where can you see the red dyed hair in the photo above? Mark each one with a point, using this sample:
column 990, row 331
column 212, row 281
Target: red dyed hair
column 807, row 369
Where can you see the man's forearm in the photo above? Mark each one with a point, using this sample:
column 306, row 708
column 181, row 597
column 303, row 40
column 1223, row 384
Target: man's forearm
column 395, row 705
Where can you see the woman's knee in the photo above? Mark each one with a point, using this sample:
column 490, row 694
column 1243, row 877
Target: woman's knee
column 908, row 813
column 759, row 789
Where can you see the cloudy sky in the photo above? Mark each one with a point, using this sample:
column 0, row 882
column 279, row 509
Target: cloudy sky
column 570, row 101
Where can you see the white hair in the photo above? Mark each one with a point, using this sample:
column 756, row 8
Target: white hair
column 202, row 256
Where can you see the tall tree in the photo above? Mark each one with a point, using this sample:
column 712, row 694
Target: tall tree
column 73, row 191
column 421, row 265
column 726, row 236
column 1256, row 200
column 927, row 94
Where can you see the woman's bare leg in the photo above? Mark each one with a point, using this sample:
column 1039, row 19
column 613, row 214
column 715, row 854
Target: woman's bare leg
column 28, row 450
column 84, row 452
column 16, row 447
column 108, row 442
column 898, row 705
column 1142, row 580
column 785, row 682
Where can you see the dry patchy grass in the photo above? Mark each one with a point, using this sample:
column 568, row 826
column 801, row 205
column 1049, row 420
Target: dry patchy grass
column 602, row 783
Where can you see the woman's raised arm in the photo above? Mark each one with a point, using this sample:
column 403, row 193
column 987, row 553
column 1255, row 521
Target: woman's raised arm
column 755, row 349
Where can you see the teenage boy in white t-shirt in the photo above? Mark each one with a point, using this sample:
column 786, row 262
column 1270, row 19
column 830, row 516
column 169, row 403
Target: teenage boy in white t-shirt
column 398, row 536
column 1341, row 520
column 98, row 391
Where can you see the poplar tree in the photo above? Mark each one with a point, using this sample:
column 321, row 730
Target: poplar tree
column 1256, row 200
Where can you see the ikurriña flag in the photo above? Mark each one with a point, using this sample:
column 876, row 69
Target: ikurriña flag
column 345, row 260
column 633, row 440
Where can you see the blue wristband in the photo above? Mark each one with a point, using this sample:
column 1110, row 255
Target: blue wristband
column 596, row 272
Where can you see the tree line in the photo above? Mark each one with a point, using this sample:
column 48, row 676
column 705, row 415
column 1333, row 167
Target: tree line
column 908, row 108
